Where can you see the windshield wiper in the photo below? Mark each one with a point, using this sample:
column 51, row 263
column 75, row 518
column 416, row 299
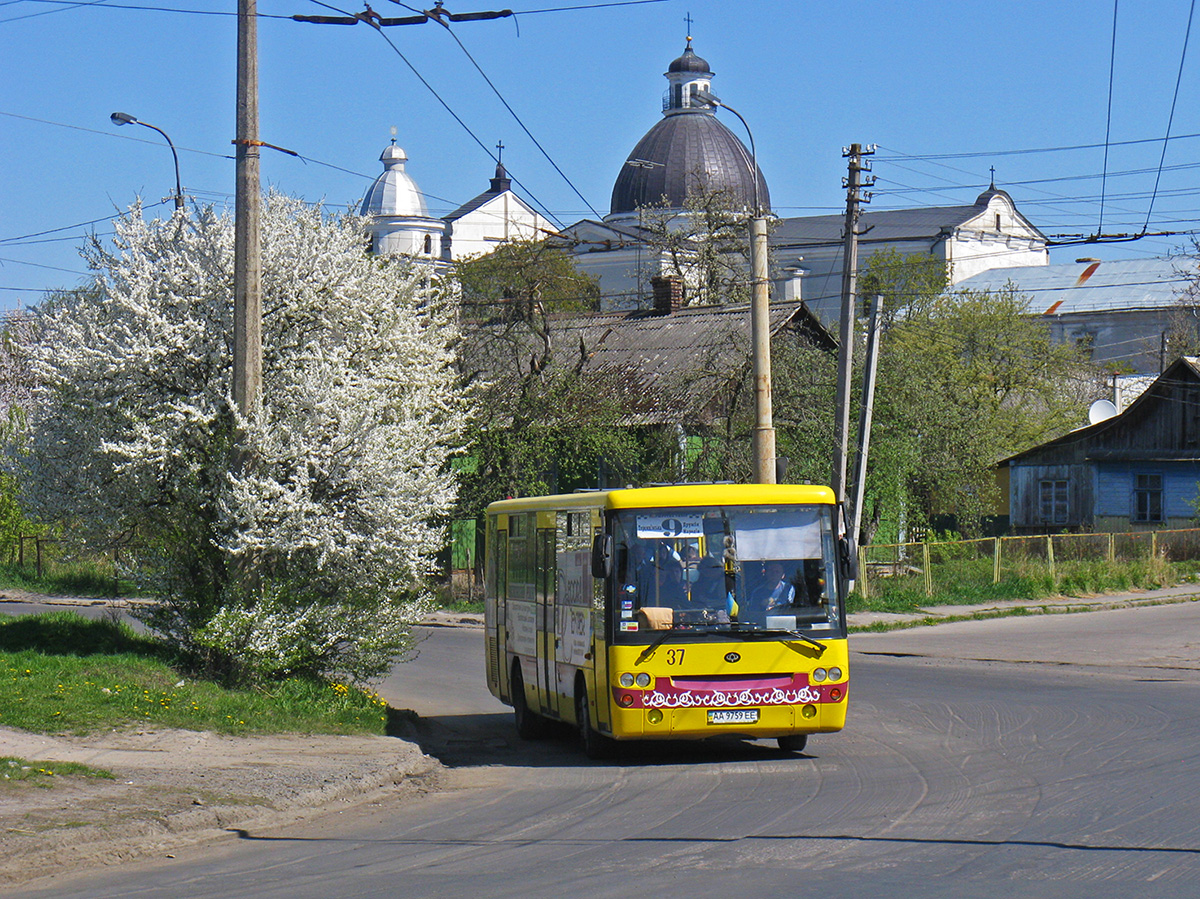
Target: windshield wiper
column 779, row 631
column 743, row 632
column 665, row 635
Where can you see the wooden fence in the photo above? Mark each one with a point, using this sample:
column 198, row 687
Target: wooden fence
column 46, row 552
column 988, row 561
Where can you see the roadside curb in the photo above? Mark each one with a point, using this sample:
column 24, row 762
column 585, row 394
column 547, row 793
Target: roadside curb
column 443, row 618
column 172, row 789
column 1058, row 605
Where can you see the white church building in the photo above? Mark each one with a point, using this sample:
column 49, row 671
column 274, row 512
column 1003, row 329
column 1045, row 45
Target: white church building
column 399, row 220
column 689, row 152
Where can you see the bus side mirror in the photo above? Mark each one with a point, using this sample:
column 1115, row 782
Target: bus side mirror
column 849, row 554
column 601, row 556
column 847, row 548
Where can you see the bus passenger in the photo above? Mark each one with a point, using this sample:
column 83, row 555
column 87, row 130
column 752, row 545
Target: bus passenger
column 775, row 590
column 672, row 591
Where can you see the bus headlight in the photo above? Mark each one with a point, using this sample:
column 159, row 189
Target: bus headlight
column 809, row 711
column 835, row 673
column 818, row 675
column 643, row 679
column 626, row 679
column 654, row 716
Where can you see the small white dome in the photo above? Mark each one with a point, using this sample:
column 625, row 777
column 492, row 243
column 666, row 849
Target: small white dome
column 394, row 192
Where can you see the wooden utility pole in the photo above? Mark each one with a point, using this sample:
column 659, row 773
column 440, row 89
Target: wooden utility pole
column 853, row 184
column 247, row 265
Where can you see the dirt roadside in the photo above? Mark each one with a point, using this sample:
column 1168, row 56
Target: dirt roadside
column 175, row 787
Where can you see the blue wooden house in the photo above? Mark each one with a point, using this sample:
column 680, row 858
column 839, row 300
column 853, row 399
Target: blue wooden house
column 1136, row 470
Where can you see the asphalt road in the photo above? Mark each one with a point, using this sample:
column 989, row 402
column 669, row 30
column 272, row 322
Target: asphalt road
column 1041, row 756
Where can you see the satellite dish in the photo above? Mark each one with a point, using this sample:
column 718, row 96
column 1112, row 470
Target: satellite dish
column 1101, row 410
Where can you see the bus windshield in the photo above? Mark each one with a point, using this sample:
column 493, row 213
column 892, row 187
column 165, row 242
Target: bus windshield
column 705, row 570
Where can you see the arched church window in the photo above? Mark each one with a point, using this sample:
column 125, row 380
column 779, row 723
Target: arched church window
column 428, row 244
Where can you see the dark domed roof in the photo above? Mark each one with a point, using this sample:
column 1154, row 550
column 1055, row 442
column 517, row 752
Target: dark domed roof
column 689, row 62
column 984, row 198
column 686, row 154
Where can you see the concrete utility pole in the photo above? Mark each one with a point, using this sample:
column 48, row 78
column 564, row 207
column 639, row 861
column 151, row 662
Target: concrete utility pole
column 853, row 184
column 864, row 418
column 760, row 318
column 247, row 264
column 760, row 327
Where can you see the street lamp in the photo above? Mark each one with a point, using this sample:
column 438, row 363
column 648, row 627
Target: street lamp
column 760, row 323
column 124, row 118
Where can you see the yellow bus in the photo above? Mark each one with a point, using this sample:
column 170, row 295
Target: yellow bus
column 670, row 613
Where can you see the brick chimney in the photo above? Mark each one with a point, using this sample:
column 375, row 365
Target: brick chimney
column 668, row 293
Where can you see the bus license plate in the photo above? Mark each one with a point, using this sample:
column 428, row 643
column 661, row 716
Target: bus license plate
column 732, row 716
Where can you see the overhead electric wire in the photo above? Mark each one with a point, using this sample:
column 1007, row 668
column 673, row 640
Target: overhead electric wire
column 450, row 110
column 132, row 137
column 64, row 8
column 512, row 112
column 1112, row 65
column 107, row 218
column 1171, row 118
column 53, row 268
column 933, row 157
column 1051, row 199
column 531, row 12
column 68, row 5
column 908, row 189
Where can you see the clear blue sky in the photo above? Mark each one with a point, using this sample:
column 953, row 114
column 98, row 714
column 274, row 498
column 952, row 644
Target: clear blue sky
column 920, row 79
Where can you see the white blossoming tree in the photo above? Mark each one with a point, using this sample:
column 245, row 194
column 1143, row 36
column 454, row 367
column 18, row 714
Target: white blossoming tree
column 296, row 541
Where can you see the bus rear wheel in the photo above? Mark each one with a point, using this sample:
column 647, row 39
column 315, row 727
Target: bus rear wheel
column 595, row 745
column 793, row 742
column 530, row 725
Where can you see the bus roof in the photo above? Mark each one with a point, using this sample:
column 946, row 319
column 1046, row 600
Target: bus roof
column 673, row 495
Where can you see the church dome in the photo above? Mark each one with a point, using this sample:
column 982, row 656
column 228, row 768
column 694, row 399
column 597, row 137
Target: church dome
column 689, row 152
column 682, row 156
column 689, row 62
column 394, row 192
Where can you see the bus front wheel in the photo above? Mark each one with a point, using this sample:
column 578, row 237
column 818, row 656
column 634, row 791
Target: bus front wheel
column 595, row 745
column 793, row 742
column 530, row 725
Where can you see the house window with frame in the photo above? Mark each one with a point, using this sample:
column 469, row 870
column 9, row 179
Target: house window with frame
column 1052, row 502
column 1148, row 497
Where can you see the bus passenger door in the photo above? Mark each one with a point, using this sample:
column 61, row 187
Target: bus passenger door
column 547, row 570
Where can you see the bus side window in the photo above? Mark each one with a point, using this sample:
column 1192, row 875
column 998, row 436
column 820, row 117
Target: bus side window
column 501, row 564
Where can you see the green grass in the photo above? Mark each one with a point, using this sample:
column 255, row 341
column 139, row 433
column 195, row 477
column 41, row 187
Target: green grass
column 461, row 605
column 63, row 578
column 17, row 770
column 969, row 581
column 444, row 599
column 62, row 673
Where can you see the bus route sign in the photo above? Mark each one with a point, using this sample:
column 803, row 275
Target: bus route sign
column 681, row 524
